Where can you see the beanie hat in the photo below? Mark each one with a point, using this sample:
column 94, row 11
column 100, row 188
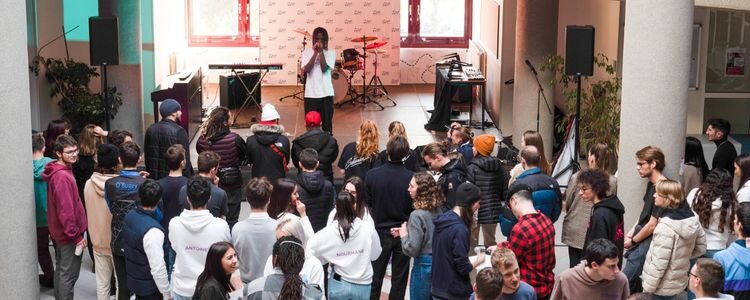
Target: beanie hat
column 106, row 156
column 269, row 113
column 484, row 144
column 312, row 119
column 467, row 194
column 169, row 107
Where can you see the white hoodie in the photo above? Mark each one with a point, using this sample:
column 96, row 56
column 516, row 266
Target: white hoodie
column 192, row 233
column 351, row 259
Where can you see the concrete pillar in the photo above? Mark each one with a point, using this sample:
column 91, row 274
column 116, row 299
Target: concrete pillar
column 18, row 279
column 656, row 62
column 536, row 38
column 127, row 75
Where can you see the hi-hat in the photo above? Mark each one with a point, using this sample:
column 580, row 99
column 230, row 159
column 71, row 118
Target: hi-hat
column 376, row 45
column 364, row 38
column 377, row 51
column 302, row 32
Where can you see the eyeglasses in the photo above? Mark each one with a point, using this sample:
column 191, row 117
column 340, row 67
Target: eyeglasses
column 583, row 188
column 72, row 152
column 691, row 274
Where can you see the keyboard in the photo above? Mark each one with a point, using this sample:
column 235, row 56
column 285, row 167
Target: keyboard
column 473, row 73
column 266, row 67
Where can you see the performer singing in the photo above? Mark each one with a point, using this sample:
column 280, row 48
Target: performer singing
column 318, row 63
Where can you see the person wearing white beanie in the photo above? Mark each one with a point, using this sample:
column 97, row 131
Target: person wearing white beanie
column 268, row 149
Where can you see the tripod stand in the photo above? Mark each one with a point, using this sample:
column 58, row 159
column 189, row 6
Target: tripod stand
column 375, row 83
column 299, row 89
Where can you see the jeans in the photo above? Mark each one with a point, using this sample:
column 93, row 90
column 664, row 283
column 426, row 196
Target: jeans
column 399, row 268
column 233, row 203
column 176, row 296
column 341, row 289
column 170, row 263
column 42, row 249
column 657, row 297
column 104, row 270
column 421, row 278
column 636, row 258
column 123, row 293
column 68, row 267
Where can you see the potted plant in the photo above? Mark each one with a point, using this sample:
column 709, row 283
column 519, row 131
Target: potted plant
column 600, row 101
column 69, row 81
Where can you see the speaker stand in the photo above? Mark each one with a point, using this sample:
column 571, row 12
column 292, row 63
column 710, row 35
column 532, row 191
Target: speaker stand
column 105, row 90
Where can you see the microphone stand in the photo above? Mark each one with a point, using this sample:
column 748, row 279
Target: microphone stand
column 539, row 95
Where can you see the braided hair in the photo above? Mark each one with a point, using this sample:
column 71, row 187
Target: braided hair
column 289, row 256
column 217, row 122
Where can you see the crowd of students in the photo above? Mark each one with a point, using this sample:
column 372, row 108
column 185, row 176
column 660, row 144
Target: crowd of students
column 160, row 233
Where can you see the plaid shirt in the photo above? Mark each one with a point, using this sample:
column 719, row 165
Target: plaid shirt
column 533, row 241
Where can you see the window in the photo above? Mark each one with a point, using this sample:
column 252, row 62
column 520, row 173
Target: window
column 435, row 23
column 221, row 23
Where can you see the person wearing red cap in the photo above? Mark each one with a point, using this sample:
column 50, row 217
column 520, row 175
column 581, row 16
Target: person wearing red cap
column 318, row 139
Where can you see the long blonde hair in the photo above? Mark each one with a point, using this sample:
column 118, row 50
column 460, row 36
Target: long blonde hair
column 368, row 139
column 533, row 138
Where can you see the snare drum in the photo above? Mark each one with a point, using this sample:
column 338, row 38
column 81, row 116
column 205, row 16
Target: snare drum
column 340, row 85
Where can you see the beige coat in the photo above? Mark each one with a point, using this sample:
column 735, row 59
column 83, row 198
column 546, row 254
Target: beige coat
column 97, row 210
column 674, row 243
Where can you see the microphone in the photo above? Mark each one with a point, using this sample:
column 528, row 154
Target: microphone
column 528, row 63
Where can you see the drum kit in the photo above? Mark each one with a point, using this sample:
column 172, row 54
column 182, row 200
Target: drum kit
column 346, row 67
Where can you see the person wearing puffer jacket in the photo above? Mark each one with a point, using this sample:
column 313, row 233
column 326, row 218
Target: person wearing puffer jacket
column 677, row 238
column 268, row 148
column 321, row 141
column 736, row 258
column 486, row 172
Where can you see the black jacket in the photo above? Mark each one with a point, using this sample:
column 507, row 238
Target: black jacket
column 486, row 172
column 317, row 194
column 159, row 137
column 211, row 290
column 607, row 223
column 388, row 191
column 450, row 258
column 269, row 161
column 454, row 173
column 411, row 161
column 230, row 147
column 725, row 156
column 321, row 141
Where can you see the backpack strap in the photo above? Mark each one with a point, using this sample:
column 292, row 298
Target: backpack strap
column 281, row 154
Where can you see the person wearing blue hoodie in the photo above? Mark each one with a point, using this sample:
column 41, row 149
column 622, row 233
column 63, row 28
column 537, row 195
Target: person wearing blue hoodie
column 46, row 279
column 450, row 246
column 736, row 258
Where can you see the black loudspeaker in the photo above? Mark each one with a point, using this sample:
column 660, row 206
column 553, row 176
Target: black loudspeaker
column 104, row 45
column 579, row 50
column 231, row 91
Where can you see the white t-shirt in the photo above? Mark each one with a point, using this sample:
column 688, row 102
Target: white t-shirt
column 318, row 83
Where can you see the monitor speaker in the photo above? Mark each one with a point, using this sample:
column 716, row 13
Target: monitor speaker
column 232, row 93
column 579, row 50
column 104, row 41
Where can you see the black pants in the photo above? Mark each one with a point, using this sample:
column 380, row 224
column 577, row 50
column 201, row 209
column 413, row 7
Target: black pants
column 42, row 248
column 324, row 106
column 575, row 256
column 156, row 296
column 123, row 293
column 233, row 203
column 399, row 268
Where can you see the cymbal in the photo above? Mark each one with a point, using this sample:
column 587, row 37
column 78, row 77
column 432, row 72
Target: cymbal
column 364, row 38
column 376, row 45
column 378, row 51
column 302, row 32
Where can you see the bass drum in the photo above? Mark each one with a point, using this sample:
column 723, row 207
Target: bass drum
column 340, row 85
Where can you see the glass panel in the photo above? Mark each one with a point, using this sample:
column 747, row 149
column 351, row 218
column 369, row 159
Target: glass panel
column 728, row 43
column 214, row 17
column 441, row 18
column 405, row 17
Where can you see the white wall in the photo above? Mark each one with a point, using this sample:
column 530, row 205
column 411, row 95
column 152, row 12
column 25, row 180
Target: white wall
column 696, row 98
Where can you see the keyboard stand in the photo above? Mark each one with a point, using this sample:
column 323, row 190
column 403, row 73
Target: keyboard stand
column 250, row 93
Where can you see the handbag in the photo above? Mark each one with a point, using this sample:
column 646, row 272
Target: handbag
column 229, row 175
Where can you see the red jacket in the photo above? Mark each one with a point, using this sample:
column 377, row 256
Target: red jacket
column 65, row 215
